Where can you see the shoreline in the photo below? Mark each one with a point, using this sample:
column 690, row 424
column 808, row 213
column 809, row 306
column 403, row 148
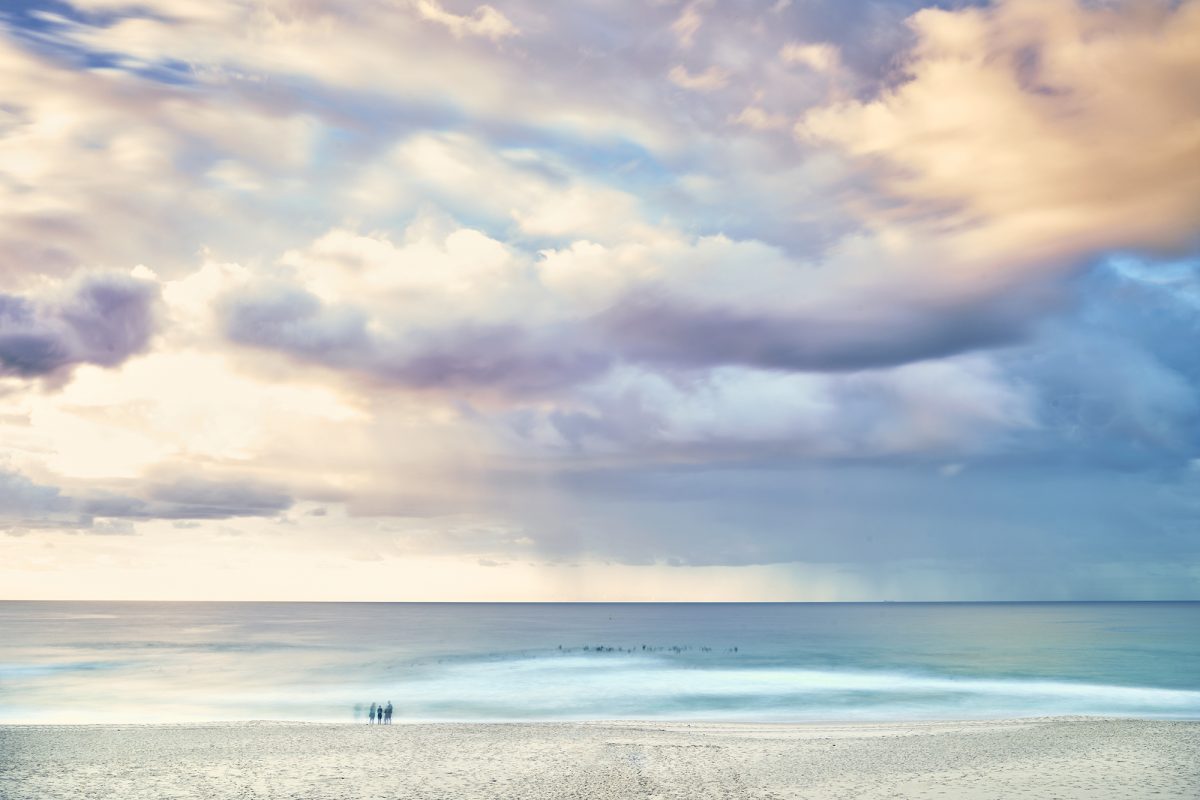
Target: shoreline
column 1065, row 757
column 669, row 723
column 683, row 723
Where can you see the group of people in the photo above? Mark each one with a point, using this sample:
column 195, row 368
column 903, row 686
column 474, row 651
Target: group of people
column 380, row 714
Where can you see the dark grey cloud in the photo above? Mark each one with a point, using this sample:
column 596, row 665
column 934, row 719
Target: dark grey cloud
column 289, row 319
column 507, row 358
column 25, row 504
column 653, row 326
column 504, row 357
column 191, row 498
column 648, row 325
column 101, row 319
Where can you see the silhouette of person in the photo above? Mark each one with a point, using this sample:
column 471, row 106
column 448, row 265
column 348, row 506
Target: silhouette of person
column 379, row 715
column 387, row 713
column 371, row 714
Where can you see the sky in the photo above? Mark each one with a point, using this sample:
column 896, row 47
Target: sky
column 672, row 300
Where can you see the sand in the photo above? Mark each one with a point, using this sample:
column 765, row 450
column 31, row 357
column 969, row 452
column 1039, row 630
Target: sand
column 1043, row 758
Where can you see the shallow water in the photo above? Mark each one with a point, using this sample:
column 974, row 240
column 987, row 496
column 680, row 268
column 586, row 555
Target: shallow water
column 162, row 662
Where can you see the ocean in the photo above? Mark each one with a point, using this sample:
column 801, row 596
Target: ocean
column 73, row 662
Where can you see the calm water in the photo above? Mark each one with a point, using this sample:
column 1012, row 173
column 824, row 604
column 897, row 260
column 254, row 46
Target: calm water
column 163, row 662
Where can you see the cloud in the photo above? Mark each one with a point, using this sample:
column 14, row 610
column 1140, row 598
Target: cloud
column 874, row 300
column 760, row 119
column 191, row 497
column 1047, row 129
column 450, row 308
column 289, row 319
column 87, row 152
column 98, row 319
column 570, row 283
column 459, row 356
column 821, row 57
column 505, row 357
column 669, row 331
column 710, row 79
column 26, row 505
column 733, row 413
column 539, row 194
column 380, row 48
column 687, row 24
column 485, row 21
column 1115, row 377
column 446, row 309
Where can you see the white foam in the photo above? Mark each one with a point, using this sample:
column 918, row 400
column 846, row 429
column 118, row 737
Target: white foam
column 615, row 686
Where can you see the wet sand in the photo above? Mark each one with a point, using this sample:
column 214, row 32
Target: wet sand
column 1043, row 758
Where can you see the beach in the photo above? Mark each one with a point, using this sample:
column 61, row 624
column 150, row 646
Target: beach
column 1035, row 758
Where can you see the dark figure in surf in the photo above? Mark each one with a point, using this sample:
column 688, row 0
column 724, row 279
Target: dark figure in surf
column 387, row 713
column 379, row 715
column 371, row 714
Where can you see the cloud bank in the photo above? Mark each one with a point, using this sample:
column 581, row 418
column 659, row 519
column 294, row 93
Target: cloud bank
column 868, row 289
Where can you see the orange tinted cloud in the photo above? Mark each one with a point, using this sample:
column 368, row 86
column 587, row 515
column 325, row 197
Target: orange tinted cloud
column 1044, row 129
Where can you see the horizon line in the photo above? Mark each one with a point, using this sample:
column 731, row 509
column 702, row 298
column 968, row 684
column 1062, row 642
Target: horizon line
column 603, row 602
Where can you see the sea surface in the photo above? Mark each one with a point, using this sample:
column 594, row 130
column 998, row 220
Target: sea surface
column 72, row 662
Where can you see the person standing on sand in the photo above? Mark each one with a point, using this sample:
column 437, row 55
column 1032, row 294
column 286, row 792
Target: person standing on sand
column 379, row 715
column 387, row 713
column 371, row 715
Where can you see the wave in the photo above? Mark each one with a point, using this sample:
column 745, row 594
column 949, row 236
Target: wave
column 575, row 687
column 552, row 687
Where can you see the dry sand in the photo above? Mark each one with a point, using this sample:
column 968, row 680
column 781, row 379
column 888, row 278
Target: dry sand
column 1044, row 758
